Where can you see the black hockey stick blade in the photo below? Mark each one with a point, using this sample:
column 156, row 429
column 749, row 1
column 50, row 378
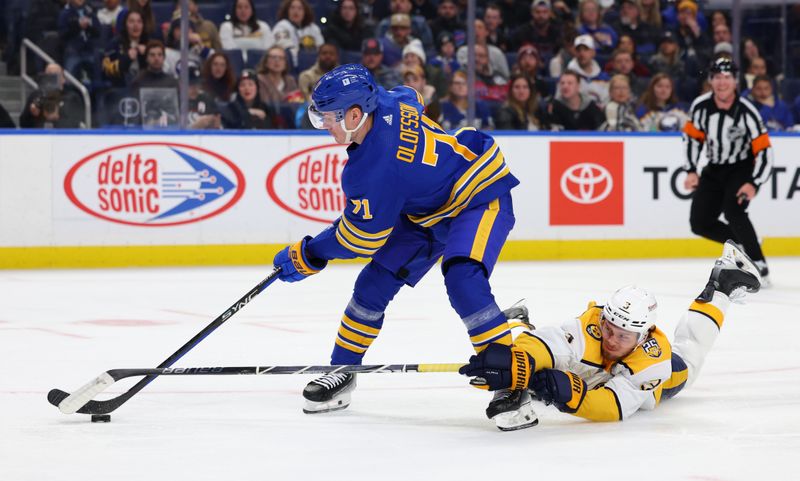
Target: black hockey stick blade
column 81, row 403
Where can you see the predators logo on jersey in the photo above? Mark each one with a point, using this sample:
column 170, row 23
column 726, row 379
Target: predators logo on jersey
column 651, row 348
column 594, row 331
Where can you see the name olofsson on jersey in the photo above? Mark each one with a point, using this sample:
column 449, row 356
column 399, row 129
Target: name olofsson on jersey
column 409, row 133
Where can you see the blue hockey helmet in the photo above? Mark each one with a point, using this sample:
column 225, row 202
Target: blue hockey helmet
column 341, row 88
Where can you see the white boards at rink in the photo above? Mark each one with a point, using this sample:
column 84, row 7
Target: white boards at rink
column 114, row 199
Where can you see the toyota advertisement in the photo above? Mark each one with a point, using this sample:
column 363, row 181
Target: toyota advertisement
column 272, row 189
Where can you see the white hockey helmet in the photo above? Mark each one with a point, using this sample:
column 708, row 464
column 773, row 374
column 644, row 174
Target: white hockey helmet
column 633, row 309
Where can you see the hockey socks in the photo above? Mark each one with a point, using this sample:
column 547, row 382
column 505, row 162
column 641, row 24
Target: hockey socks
column 471, row 297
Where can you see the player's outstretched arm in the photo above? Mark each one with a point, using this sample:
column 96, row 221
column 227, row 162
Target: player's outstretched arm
column 569, row 394
column 296, row 264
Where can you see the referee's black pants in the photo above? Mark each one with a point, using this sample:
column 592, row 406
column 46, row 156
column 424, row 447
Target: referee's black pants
column 715, row 194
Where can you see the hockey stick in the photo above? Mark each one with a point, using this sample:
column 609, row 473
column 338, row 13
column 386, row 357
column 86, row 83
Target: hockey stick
column 81, row 400
column 106, row 379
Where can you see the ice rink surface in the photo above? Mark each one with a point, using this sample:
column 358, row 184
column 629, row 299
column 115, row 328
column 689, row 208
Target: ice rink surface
column 740, row 421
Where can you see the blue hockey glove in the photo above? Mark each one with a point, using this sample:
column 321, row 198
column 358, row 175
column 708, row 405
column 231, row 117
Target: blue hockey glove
column 295, row 265
column 565, row 390
column 499, row 367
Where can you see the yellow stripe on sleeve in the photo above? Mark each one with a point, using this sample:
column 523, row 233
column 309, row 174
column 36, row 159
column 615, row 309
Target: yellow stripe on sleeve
column 709, row 310
column 366, row 235
column 537, row 349
column 347, row 245
column 600, row 405
column 358, row 241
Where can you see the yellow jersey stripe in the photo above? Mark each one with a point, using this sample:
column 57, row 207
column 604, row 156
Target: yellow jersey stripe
column 465, row 192
column 484, row 230
column 457, row 210
column 366, row 235
column 485, row 336
column 462, row 129
column 485, row 162
column 358, row 327
column 357, row 241
column 709, row 310
column 462, row 181
column 347, row 245
column 432, row 124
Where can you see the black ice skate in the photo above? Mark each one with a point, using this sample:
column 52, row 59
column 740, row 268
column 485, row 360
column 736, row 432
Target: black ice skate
column 512, row 410
column 330, row 392
column 734, row 274
column 763, row 270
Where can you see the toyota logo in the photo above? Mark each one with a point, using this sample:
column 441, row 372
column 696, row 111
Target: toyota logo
column 586, row 183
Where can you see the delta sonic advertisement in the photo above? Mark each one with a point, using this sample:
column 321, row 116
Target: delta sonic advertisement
column 307, row 183
column 154, row 184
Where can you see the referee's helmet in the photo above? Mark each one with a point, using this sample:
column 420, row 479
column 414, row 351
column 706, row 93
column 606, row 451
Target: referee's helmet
column 722, row 65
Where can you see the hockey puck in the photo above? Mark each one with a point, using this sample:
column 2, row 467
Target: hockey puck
column 101, row 418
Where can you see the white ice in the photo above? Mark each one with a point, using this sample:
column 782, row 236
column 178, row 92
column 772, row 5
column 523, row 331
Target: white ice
column 740, row 421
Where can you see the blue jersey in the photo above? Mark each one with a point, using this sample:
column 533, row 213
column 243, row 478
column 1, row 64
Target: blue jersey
column 409, row 166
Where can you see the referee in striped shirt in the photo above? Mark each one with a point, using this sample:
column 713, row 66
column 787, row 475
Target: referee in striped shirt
column 739, row 161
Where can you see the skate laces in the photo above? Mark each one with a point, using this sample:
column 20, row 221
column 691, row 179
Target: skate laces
column 331, row 380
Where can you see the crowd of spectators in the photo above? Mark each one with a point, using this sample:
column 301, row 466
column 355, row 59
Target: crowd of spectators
column 624, row 65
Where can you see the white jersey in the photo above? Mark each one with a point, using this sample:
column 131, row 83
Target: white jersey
column 615, row 390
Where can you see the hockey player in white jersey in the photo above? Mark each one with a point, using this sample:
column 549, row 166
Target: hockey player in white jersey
column 612, row 360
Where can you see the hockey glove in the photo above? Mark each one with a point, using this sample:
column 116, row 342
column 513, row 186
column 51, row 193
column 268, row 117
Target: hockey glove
column 499, row 367
column 295, row 265
column 565, row 390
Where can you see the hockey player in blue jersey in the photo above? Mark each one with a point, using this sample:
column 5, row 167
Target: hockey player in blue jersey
column 415, row 194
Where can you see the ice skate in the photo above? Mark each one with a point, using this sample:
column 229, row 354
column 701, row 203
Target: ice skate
column 734, row 275
column 519, row 313
column 512, row 410
column 763, row 270
column 330, row 392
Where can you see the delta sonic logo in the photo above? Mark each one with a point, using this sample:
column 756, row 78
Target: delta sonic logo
column 154, row 184
column 586, row 183
column 308, row 183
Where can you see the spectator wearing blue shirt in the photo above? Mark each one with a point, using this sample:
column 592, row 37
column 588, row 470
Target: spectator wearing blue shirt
column 398, row 36
column 446, row 60
column 590, row 23
column 372, row 58
column 696, row 44
column 454, row 107
column 669, row 16
column 776, row 113
column 78, row 29
column 447, row 19
column 419, row 26
column 796, row 111
column 630, row 23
